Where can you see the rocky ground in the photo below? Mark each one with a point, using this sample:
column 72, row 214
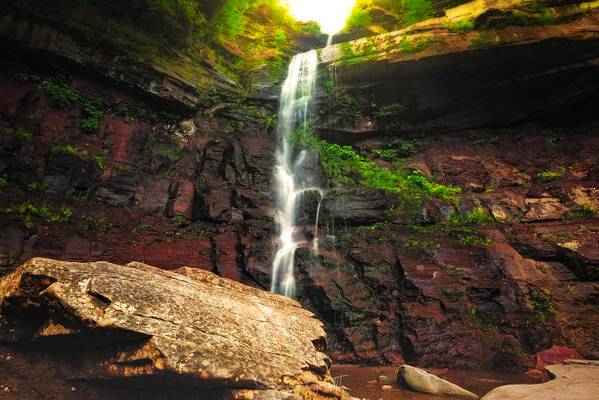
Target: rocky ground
column 92, row 169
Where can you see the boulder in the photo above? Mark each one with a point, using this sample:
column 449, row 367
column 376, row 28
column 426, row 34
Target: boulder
column 106, row 322
column 572, row 382
column 555, row 355
column 421, row 381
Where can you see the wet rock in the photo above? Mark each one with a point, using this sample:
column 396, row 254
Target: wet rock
column 572, row 382
column 189, row 326
column 357, row 206
column 421, row 381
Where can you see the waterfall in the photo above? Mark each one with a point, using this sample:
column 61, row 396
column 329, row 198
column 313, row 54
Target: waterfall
column 297, row 96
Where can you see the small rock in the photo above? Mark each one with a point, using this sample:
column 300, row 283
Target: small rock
column 386, row 387
column 383, row 378
column 73, row 389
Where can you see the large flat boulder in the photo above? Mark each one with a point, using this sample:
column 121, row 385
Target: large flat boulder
column 107, row 322
column 572, row 382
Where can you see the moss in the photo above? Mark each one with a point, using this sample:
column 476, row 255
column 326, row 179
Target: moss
column 462, row 26
column 552, row 175
column 421, row 244
column 93, row 114
column 481, row 39
column 62, row 94
column 30, row 213
column 359, row 19
column 479, row 216
column 344, row 165
column 19, row 133
column 543, row 304
column 583, row 210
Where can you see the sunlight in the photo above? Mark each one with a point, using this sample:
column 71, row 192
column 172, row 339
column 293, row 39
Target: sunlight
column 331, row 15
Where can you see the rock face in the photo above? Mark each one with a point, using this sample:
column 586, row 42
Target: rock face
column 511, row 122
column 422, row 381
column 572, row 382
column 188, row 326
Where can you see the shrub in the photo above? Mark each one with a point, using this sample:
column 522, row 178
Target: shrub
column 480, row 216
column 344, row 165
column 359, row 19
column 462, row 26
column 3, row 182
column 94, row 116
column 417, row 10
column 62, row 94
column 550, row 176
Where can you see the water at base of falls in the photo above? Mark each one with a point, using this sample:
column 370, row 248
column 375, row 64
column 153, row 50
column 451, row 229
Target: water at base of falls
column 297, row 96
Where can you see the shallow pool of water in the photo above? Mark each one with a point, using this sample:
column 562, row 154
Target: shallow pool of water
column 364, row 382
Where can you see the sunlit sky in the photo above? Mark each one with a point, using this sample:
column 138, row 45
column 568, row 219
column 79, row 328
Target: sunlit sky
column 330, row 14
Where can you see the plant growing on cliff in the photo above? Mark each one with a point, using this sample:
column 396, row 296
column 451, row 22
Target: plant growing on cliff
column 462, row 26
column 62, row 94
column 18, row 132
column 480, row 216
column 344, row 165
column 550, row 176
column 93, row 116
column 543, row 304
column 3, row 182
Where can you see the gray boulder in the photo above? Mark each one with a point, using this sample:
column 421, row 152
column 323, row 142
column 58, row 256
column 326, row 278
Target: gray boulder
column 421, row 381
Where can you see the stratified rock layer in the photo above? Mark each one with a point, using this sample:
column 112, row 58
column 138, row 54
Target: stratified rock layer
column 137, row 321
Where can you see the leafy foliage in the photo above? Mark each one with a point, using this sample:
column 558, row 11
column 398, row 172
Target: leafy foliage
column 62, row 94
column 93, row 116
column 344, row 165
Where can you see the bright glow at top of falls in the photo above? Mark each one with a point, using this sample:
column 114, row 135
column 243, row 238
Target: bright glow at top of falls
column 331, row 15
column 297, row 95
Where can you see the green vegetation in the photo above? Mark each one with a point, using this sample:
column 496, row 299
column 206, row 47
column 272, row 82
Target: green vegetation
column 359, row 19
column 62, row 94
column 550, row 176
column 482, row 39
column 462, row 26
column 68, row 149
column 34, row 186
column 407, row 45
column 19, row 133
column 479, row 216
column 543, row 304
column 179, row 219
column 170, row 154
column 482, row 320
column 56, row 148
column 344, row 165
column 3, row 182
column 397, row 14
column 542, row 16
column 93, row 116
column 474, row 240
column 421, row 244
column 583, row 210
column 28, row 213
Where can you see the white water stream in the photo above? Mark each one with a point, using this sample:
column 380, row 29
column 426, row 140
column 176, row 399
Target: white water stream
column 295, row 109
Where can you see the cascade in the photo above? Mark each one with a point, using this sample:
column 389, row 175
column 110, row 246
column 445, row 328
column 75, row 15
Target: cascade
column 296, row 101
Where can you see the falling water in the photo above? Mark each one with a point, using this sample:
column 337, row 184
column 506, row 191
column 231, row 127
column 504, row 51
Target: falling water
column 294, row 112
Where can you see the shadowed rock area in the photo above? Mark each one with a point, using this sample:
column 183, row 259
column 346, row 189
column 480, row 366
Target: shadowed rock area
column 136, row 323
